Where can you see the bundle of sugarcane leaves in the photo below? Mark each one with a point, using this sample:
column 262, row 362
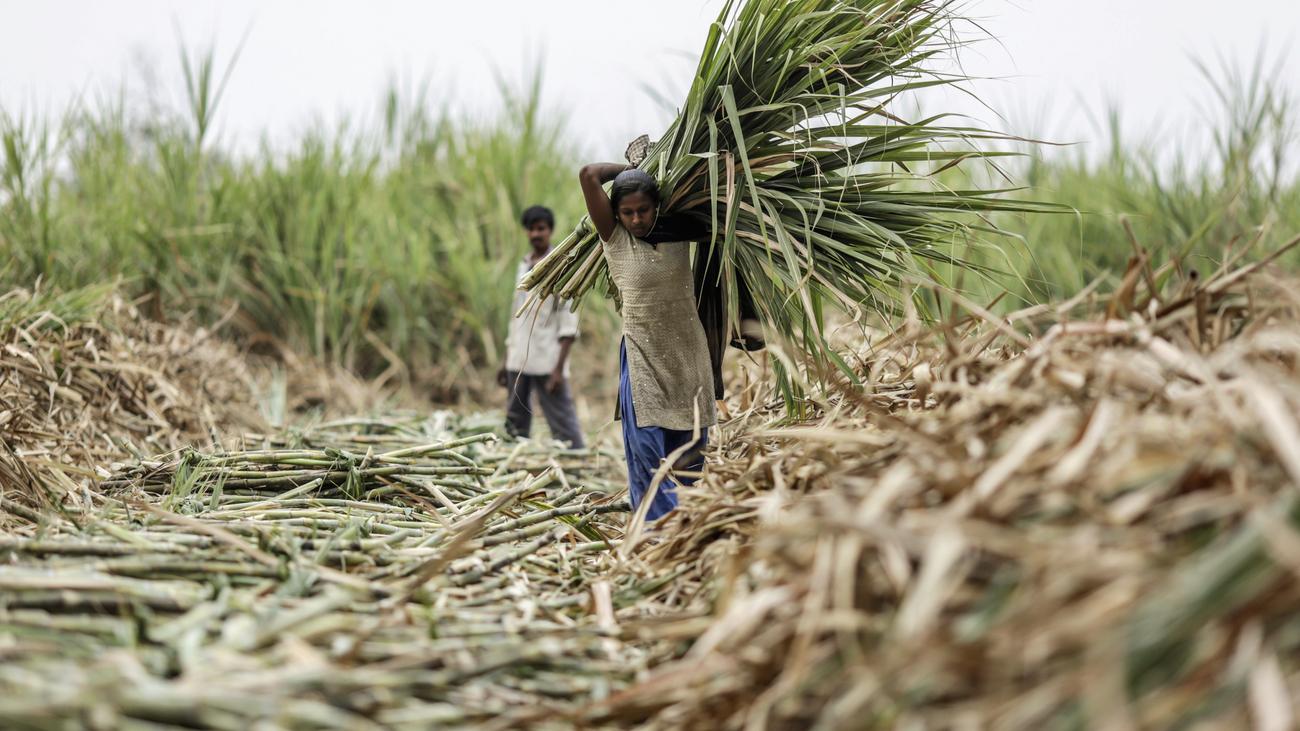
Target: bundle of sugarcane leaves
column 814, row 190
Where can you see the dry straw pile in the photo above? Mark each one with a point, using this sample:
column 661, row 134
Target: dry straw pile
column 85, row 380
column 1077, row 516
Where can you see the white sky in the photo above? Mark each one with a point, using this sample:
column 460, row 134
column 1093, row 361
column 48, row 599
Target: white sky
column 304, row 60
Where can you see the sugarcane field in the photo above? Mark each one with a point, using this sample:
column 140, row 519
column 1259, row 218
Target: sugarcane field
column 742, row 364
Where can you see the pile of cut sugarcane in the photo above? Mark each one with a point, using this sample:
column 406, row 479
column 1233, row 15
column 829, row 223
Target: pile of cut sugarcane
column 356, row 575
column 85, row 378
column 1078, row 515
column 1081, row 515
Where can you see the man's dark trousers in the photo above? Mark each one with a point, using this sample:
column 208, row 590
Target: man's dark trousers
column 557, row 407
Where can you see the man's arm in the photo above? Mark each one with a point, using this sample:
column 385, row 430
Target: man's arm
column 556, row 380
column 502, row 379
column 567, row 331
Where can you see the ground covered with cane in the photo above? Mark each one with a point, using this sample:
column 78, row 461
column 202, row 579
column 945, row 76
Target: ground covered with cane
column 1076, row 515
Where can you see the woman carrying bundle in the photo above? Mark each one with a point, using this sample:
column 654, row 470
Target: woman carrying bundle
column 666, row 383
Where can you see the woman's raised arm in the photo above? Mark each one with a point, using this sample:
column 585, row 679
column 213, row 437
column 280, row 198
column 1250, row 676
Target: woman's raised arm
column 593, row 178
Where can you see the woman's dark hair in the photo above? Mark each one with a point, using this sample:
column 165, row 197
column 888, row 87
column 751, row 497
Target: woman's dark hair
column 535, row 214
column 633, row 181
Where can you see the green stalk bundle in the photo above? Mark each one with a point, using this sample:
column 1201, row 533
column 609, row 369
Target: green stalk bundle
column 816, row 192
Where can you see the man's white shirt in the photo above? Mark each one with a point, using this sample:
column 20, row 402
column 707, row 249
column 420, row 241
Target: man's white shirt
column 533, row 345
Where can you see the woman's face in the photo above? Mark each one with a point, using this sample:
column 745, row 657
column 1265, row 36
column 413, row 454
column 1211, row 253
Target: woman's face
column 636, row 211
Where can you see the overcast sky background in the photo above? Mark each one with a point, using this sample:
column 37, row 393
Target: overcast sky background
column 1058, row 62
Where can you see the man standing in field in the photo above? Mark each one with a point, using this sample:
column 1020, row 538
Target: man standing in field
column 537, row 349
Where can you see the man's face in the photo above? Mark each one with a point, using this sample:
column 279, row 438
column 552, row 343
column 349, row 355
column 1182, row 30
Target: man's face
column 539, row 235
